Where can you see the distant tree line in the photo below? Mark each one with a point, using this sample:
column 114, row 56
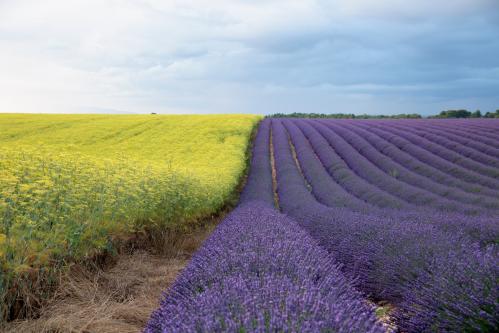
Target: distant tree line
column 342, row 115
column 444, row 114
column 466, row 114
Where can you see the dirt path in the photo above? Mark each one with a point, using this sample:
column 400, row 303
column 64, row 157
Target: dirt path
column 117, row 298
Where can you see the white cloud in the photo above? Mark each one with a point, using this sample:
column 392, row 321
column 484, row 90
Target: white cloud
column 217, row 56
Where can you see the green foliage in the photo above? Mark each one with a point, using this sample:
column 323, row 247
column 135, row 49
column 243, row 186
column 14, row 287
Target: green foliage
column 492, row 114
column 455, row 114
column 343, row 116
column 462, row 113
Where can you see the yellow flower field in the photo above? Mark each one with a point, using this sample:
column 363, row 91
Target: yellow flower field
column 70, row 183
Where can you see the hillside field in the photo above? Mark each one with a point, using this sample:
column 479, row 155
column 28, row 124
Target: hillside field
column 71, row 184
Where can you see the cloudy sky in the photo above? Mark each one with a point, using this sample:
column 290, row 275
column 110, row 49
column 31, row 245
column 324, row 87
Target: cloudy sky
column 249, row 56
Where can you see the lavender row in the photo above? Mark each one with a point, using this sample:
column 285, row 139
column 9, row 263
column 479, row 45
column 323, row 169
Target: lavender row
column 488, row 130
column 429, row 158
column 259, row 183
column 454, row 135
column 475, row 141
column 440, row 139
column 260, row 272
column 324, row 188
column 417, row 166
column 485, row 173
column 393, row 170
column 482, row 228
column 467, row 129
column 387, row 182
column 482, row 128
column 478, row 123
column 446, row 153
column 340, row 171
column 393, row 257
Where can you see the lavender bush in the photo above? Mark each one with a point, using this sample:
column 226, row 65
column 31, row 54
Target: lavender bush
column 411, row 162
column 452, row 142
column 435, row 192
column 418, row 260
column 260, row 272
column 388, row 181
column 259, row 183
column 408, row 209
column 448, row 154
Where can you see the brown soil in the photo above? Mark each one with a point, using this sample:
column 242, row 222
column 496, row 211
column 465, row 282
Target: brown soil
column 274, row 172
column 298, row 165
column 117, row 298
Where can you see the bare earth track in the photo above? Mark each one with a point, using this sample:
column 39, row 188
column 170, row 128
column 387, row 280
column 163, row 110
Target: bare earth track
column 116, row 298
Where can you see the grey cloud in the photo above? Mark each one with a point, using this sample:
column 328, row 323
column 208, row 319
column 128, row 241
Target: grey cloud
column 265, row 56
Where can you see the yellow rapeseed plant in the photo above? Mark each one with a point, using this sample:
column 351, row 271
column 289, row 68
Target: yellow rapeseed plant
column 70, row 183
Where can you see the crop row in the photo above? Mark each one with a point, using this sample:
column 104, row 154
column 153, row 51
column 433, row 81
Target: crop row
column 457, row 158
column 455, row 165
column 486, row 133
column 261, row 272
column 404, row 222
column 406, row 183
column 438, row 268
column 413, row 158
column 468, row 148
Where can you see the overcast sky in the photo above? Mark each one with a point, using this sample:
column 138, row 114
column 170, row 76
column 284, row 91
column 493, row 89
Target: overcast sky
column 249, row 56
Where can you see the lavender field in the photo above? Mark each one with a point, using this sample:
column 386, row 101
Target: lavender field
column 340, row 216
